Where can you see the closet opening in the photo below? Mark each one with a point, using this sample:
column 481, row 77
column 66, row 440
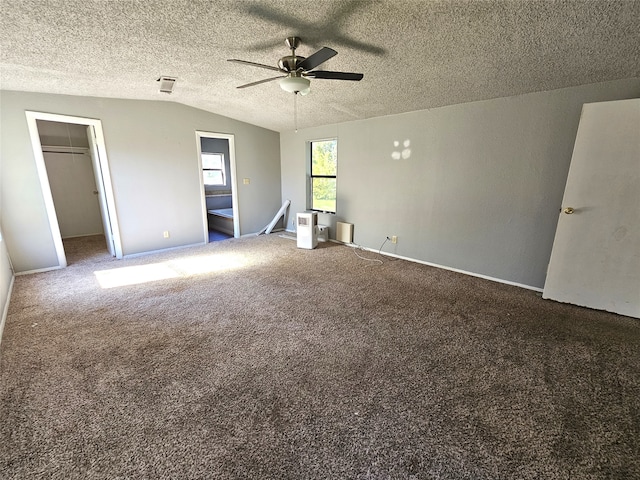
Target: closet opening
column 73, row 169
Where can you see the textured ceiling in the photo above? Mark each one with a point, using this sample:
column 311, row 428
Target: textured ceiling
column 414, row 54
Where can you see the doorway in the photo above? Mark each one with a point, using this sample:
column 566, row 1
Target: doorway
column 216, row 160
column 75, row 181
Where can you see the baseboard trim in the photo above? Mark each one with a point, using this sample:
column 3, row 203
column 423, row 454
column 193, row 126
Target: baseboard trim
column 38, row 270
column 5, row 309
column 443, row 267
column 84, row 235
column 168, row 249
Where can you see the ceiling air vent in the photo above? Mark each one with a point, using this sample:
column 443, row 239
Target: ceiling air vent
column 166, row 84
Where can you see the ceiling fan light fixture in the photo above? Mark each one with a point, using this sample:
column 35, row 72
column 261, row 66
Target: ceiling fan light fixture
column 295, row 85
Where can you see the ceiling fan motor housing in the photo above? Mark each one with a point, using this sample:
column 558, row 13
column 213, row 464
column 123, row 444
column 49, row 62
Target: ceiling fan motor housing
column 298, row 68
column 290, row 63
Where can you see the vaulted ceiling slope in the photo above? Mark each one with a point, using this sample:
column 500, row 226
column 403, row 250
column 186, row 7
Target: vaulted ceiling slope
column 414, row 54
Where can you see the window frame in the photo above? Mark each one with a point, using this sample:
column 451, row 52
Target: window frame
column 311, row 176
column 222, row 169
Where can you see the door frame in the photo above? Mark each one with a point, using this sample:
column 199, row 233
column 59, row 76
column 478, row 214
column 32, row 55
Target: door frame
column 100, row 164
column 234, row 182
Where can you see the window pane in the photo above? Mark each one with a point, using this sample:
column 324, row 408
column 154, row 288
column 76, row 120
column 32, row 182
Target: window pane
column 323, row 195
column 212, row 160
column 212, row 177
column 324, row 157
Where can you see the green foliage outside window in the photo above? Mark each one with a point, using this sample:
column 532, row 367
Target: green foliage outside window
column 324, row 168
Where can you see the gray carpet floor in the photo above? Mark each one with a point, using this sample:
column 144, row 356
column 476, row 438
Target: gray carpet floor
column 251, row 358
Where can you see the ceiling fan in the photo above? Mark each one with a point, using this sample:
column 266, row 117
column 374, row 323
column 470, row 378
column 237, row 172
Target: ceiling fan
column 296, row 69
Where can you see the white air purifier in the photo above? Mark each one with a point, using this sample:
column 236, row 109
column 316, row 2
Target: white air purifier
column 307, row 230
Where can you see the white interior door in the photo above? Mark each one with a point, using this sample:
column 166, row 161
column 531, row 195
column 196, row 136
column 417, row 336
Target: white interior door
column 106, row 220
column 72, row 181
column 595, row 261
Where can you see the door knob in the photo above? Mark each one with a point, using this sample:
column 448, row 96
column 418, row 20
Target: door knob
column 568, row 210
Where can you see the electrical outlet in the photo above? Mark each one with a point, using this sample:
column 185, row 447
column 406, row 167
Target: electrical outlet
column 394, row 239
column 165, row 234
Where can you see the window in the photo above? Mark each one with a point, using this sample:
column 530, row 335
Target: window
column 213, row 169
column 324, row 168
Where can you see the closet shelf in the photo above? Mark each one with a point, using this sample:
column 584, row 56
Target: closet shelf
column 64, row 149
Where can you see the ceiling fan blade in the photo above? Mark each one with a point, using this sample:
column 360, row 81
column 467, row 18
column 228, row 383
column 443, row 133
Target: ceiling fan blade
column 335, row 75
column 321, row 56
column 254, row 64
column 261, row 81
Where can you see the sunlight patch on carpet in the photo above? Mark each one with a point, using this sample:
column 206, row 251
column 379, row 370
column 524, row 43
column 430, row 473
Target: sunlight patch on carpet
column 183, row 267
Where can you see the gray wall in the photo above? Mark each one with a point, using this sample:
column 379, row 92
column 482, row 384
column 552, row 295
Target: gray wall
column 6, row 277
column 72, row 183
column 154, row 168
column 480, row 189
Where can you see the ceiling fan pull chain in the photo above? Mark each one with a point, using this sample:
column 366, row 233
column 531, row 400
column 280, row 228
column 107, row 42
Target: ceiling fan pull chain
column 295, row 111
